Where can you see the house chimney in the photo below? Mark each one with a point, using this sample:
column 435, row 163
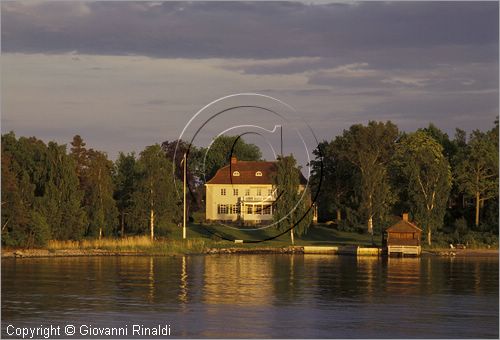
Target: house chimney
column 405, row 217
column 233, row 160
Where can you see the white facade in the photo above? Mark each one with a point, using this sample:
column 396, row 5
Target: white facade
column 246, row 203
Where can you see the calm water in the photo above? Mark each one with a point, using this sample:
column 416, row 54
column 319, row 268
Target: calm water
column 277, row 296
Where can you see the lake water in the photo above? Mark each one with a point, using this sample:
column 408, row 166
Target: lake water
column 271, row 296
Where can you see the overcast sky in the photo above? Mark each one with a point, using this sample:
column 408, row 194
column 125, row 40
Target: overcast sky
column 124, row 75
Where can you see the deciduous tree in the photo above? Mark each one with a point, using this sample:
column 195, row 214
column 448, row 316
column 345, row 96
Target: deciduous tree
column 155, row 202
column 292, row 208
column 126, row 178
column 427, row 173
column 477, row 172
column 370, row 148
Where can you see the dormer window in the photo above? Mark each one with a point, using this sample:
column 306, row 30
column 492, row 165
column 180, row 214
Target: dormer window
column 236, row 173
column 258, row 174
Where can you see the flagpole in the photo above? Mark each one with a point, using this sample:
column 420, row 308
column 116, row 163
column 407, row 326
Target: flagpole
column 184, row 195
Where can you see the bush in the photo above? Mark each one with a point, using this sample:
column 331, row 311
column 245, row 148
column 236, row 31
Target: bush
column 461, row 230
column 198, row 217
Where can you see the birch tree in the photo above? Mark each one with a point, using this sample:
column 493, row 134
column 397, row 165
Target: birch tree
column 477, row 173
column 427, row 177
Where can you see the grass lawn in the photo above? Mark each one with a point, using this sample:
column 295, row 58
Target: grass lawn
column 317, row 235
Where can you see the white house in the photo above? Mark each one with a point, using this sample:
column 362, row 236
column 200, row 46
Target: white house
column 243, row 192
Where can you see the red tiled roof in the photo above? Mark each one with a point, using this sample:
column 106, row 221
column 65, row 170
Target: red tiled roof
column 247, row 170
column 403, row 226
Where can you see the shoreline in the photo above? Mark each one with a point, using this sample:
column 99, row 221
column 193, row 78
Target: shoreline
column 44, row 253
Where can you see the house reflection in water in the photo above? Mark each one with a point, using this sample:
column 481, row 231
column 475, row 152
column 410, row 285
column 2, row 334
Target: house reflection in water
column 237, row 280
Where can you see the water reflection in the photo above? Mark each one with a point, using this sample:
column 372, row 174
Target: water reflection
column 151, row 280
column 237, row 280
column 403, row 275
column 183, row 291
column 261, row 295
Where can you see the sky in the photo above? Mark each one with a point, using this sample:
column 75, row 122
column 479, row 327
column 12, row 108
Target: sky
column 125, row 75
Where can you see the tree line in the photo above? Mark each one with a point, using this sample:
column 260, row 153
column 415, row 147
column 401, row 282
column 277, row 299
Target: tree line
column 376, row 172
column 370, row 174
column 50, row 192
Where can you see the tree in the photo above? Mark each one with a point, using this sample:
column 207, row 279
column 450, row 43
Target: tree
column 477, row 173
column 337, row 184
column 95, row 175
column 42, row 190
column 292, row 207
column 428, row 178
column 370, row 148
column 99, row 188
column 154, row 203
column 223, row 148
column 126, row 177
column 175, row 151
column 79, row 155
column 450, row 148
column 15, row 212
column 61, row 203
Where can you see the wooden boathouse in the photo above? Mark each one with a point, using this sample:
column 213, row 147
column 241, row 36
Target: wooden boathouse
column 403, row 238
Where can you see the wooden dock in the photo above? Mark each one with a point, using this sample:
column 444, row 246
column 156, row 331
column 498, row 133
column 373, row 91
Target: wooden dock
column 343, row 250
column 404, row 250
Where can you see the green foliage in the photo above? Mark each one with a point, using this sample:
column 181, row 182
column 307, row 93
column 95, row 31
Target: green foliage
column 369, row 149
column 428, row 177
column 15, row 210
column 292, row 203
column 477, row 169
column 461, row 230
column 62, row 202
column 175, row 151
column 41, row 194
column 48, row 194
column 95, row 174
column 155, row 192
column 99, row 202
column 221, row 150
column 125, row 181
column 40, row 231
column 337, row 193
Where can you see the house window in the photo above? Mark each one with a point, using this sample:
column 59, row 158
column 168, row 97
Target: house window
column 236, row 209
column 230, row 208
column 235, row 192
column 223, row 192
column 236, row 173
column 247, row 192
column 222, row 208
column 259, row 192
column 249, row 209
column 269, row 192
column 258, row 210
column 267, row 209
column 258, row 174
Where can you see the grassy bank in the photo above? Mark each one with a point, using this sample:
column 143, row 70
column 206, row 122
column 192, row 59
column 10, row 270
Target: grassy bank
column 201, row 239
column 138, row 244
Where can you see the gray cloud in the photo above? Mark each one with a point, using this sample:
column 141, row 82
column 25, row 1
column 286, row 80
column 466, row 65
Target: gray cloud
column 245, row 30
column 140, row 69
